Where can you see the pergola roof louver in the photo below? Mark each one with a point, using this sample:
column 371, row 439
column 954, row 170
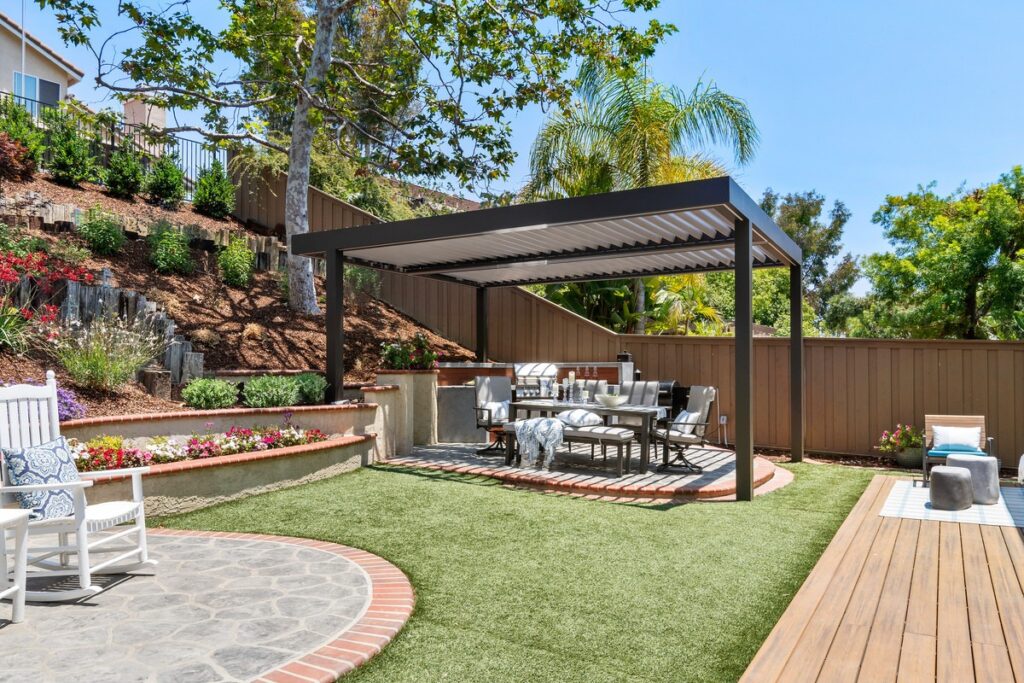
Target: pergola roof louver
column 699, row 226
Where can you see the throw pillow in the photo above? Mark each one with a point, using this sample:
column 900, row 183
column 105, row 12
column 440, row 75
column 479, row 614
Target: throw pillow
column 952, row 438
column 499, row 410
column 685, row 422
column 578, row 417
column 48, row 463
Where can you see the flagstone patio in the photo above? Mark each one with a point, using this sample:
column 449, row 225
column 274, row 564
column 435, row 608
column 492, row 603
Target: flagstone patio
column 219, row 607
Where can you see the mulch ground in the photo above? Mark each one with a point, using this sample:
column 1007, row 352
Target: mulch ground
column 89, row 195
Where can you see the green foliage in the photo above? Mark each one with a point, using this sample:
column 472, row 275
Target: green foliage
column 169, row 251
column 236, row 262
column 102, row 232
column 611, row 303
column 15, row 162
column 215, row 193
column 312, row 387
column 68, row 252
column 71, row 160
column 682, row 306
column 361, row 281
column 270, row 391
column 108, row 354
column 209, row 394
column 105, row 442
column 17, row 123
column 124, row 173
column 957, row 266
column 165, row 184
column 408, row 355
column 13, row 240
column 15, row 332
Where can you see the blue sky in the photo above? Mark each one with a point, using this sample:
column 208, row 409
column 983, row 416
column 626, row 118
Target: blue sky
column 854, row 100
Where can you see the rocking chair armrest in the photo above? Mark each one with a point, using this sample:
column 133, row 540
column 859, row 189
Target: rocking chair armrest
column 28, row 488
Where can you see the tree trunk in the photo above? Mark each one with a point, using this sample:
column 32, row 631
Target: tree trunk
column 640, row 302
column 301, row 292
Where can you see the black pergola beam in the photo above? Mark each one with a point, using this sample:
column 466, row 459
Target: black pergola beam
column 744, row 331
column 335, row 322
column 481, row 324
column 796, row 364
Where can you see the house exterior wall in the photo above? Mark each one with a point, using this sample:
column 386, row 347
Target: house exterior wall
column 36, row 63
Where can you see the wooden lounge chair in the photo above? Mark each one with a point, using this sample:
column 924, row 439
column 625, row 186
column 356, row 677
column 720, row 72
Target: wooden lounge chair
column 680, row 436
column 28, row 418
column 937, row 456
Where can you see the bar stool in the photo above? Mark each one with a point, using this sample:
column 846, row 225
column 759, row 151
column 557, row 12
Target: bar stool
column 18, row 521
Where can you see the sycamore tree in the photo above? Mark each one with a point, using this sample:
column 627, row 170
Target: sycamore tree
column 431, row 95
column 956, row 269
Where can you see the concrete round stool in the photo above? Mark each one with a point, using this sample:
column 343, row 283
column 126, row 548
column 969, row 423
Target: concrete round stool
column 950, row 488
column 984, row 471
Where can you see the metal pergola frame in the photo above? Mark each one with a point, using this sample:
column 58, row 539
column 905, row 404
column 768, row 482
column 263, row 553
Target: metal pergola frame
column 753, row 239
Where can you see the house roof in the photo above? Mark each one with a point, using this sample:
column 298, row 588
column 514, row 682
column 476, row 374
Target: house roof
column 680, row 228
column 75, row 74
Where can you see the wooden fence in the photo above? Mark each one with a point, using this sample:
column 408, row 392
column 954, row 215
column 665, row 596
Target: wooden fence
column 854, row 388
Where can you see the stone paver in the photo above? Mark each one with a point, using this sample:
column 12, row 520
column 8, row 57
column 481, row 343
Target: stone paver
column 218, row 607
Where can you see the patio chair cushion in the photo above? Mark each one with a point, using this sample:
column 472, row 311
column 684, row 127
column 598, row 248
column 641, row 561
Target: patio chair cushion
column 48, row 463
column 499, row 411
column 685, row 422
column 943, row 452
column 674, row 436
column 578, row 417
column 955, row 438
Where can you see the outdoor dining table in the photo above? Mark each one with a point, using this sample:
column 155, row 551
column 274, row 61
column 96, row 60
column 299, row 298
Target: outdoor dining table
column 648, row 416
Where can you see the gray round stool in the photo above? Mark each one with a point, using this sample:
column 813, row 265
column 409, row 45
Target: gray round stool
column 984, row 471
column 950, row 488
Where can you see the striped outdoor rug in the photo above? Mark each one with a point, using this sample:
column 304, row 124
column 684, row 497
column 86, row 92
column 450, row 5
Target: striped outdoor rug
column 911, row 502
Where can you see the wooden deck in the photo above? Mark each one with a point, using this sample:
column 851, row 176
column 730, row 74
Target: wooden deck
column 903, row 600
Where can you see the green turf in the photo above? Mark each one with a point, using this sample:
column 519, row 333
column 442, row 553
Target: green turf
column 518, row 586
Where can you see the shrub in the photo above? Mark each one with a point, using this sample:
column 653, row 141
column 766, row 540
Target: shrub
column 106, row 442
column 409, row 355
column 14, row 329
column 165, row 184
column 102, row 233
column 124, row 173
column 360, row 281
column 15, row 163
column 14, row 241
column 215, row 193
column 270, row 391
column 209, row 394
column 107, row 354
column 168, row 250
column 17, row 123
column 68, row 252
column 236, row 262
column 205, row 336
column 71, row 160
column 312, row 388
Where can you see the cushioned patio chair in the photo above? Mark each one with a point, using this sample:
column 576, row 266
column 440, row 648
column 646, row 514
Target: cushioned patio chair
column 37, row 471
column 947, row 434
column 686, row 430
column 493, row 396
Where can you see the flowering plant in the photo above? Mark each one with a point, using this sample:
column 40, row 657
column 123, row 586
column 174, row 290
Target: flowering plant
column 406, row 355
column 900, row 439
column 45, row 270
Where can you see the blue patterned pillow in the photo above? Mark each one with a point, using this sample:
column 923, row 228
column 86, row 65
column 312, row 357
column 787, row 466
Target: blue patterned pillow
column 47, row 463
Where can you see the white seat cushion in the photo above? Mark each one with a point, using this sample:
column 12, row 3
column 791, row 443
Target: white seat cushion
column 676, row 437
column 578, row 417
column 599, row 433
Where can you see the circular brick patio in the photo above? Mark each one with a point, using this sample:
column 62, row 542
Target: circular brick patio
column 219, row 607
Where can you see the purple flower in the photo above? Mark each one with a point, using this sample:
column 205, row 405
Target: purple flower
column 68, row 406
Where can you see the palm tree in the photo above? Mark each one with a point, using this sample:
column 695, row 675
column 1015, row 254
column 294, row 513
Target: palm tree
column 624, row 131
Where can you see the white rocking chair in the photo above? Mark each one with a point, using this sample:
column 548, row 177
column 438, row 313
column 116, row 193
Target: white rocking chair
column 28, row 417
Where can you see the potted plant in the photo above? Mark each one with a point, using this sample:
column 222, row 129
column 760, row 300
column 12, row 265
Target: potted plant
column 905, row 444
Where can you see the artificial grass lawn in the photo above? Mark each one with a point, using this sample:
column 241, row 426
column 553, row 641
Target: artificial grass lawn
column 517, row 586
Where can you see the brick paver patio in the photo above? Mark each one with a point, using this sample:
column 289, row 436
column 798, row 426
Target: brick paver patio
column 219, row 607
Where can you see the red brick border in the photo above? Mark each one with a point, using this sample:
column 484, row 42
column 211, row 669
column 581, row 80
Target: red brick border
column 391, row 602
column 224, row 412
column 605, row 487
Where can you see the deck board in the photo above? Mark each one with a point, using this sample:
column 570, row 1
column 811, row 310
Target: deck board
column 903, row 600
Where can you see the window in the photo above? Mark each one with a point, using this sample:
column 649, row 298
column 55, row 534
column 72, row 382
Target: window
column 35, row 92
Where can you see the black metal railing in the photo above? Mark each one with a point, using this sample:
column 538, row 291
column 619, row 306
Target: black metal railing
column 106, row 132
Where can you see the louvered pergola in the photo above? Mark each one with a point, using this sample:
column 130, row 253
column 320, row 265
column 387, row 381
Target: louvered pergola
column 694, row 227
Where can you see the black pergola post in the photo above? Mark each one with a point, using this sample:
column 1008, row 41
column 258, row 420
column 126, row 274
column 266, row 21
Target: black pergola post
column 744, row 330
column 796, row 364
column 335, row 324
column 481, row 324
